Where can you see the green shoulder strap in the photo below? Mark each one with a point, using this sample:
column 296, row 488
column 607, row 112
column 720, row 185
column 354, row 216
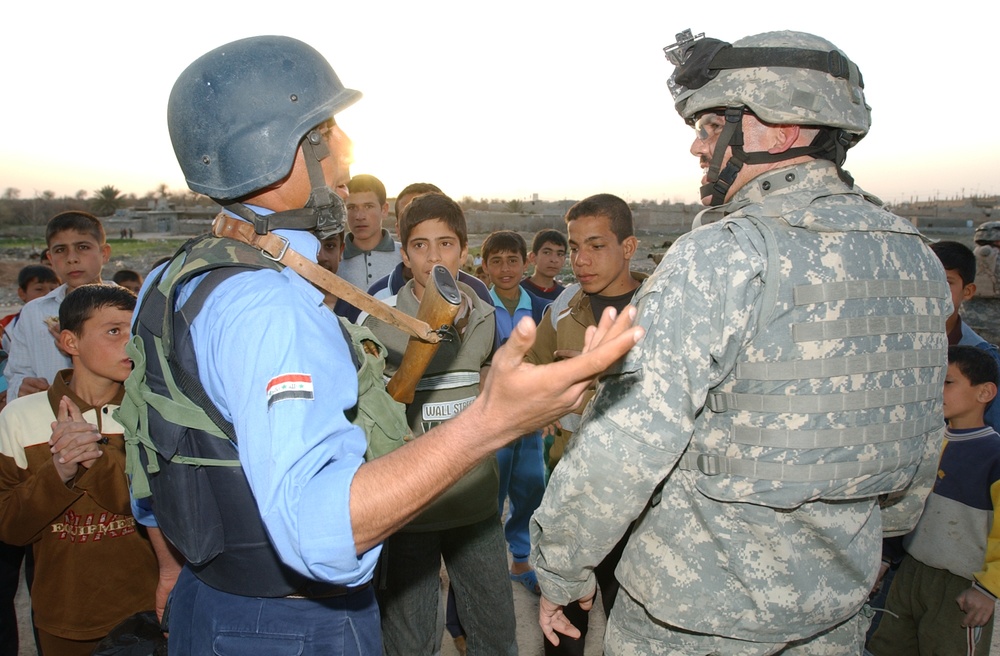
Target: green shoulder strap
column 200, row 255
column 382, row 417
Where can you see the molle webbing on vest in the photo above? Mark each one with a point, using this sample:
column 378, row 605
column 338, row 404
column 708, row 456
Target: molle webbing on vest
column 713, row 465
column 865, row 327
column 866, row 289
column 844, row 366
column 821, row 403
column 838, row 390
column 834, row 437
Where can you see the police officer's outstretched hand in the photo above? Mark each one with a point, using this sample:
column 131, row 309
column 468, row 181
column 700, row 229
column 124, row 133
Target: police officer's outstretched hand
column 525, row 397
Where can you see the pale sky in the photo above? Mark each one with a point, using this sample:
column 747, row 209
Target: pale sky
column 496, row 100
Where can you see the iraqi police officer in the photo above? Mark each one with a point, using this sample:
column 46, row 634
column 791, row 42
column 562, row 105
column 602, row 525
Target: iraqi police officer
column 258, row 477
column 790, row 378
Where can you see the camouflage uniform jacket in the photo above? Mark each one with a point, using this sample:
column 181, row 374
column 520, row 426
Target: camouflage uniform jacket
column 770, row 568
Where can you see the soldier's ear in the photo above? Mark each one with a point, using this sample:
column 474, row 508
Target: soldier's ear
column 783, row 137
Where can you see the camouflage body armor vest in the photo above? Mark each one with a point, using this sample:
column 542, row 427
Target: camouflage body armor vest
column 182, row 452
column 840, row 385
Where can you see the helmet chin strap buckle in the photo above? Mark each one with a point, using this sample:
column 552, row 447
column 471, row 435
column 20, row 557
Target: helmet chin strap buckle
column 719, row 181
column 325, row 204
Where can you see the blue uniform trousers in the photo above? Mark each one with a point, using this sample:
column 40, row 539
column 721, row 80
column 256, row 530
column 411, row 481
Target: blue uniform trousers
column 203, row 620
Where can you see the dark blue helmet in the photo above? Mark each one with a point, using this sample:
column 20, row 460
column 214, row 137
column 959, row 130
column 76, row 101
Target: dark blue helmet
column 237, row 114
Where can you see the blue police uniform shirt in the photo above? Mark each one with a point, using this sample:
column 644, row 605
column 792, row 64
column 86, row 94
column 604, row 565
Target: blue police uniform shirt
column 274, row 361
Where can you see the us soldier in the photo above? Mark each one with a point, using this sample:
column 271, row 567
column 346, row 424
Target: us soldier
column 791, row 374
column 282, row 537
column 987, row 238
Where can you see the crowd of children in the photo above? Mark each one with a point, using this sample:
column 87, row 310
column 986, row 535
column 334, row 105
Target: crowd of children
column 64, row 492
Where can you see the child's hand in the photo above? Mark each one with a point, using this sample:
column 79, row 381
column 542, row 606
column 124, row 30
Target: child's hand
column 978, row 607
column 32, row 385
column 551, row 429
column 74, row 442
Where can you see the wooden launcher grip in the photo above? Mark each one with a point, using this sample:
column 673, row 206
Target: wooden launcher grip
column 438, row 308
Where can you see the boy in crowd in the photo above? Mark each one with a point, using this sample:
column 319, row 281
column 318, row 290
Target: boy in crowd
column 369, row 251
column 602, row 244
column 78, row 251
column 943, row 596
column 129, row 279
column 33, row 281
column 522, row 469
column 63, row 487
column 462, row 525
column 329, row 255
column 390, row 284
column 548, row 254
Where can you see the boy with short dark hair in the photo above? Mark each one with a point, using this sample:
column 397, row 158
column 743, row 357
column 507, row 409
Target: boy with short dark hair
column 78, row 251
column 522, row 468
column 63, row 487
column 390, row 284
column 329, row 255
column 33, row 281
column 370, row 251
column 129, row 279
column 462, row 525
column 548, row 254
column 942, row 598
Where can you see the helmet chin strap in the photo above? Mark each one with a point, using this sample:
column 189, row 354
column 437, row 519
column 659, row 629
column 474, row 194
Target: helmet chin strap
column 323, row 213
column 719, row 181
column 828, row 144
column 326, row 205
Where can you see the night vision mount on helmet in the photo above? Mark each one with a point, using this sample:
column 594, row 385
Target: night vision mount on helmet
column 237, row 116
column 783, row 78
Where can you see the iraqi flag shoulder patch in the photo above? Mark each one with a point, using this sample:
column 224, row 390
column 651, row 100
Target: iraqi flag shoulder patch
column 289, row 386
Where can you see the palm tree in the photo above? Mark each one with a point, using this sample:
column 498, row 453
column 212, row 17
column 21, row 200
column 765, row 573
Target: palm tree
column 515, row 206
column 106, row 200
